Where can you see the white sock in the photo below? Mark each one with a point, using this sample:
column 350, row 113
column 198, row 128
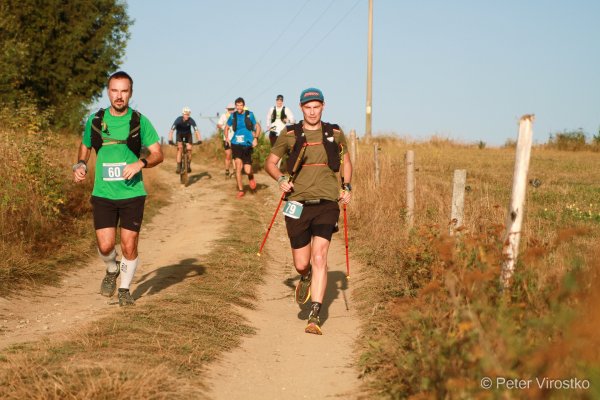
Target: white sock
column 110, row 260
column 127, row 271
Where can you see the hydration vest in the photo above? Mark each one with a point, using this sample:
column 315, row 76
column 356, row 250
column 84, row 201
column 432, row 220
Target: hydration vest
column 247, row 121
column 331, row 147
column 274, row 114
column 134, row 140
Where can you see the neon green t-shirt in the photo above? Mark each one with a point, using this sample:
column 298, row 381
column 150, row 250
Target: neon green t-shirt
column 313, row 181
column 113, row 157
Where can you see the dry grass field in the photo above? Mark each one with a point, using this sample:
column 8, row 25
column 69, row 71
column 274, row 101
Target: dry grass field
column 438, row 321
column 435, row 321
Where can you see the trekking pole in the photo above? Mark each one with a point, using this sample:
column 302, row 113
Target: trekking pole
column 345, row 213
column 346, row 242
column 291, row 180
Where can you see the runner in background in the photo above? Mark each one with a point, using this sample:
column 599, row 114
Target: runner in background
column 226, row 141
column 278, row 117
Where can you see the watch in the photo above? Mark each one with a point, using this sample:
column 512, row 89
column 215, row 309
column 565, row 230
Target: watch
column 144, row 161
column 281, row 179
column 80, row 163
column 347, row 187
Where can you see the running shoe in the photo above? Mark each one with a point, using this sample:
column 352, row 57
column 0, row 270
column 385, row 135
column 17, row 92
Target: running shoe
column 252, row 184
column 125, row 298
column 239, row 194
column 178, row 169
column 314, row 325
column 303, row 288
column 189, row 168
column 109, row 283
column 226, row 173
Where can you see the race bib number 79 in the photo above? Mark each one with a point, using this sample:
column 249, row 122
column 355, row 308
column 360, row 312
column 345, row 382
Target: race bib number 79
column 293, row 209
column 113, row 171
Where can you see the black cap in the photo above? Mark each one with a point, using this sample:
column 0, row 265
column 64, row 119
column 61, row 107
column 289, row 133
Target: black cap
column 279, row 97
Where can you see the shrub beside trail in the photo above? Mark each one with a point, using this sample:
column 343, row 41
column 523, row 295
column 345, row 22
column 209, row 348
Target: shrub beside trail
column 438, row 322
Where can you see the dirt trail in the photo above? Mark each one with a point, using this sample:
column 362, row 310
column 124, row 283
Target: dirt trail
column 168, row 254
column 281, row 361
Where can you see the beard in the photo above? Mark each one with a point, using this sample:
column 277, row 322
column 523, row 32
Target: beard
column 120, row 108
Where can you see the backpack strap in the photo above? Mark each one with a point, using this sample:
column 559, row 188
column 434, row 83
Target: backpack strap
column 133, row 141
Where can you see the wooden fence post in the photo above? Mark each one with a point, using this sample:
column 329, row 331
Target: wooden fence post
column 353, row 147
column 376, row 160
column 410, row 188
column 458, row 200
column 517, row 201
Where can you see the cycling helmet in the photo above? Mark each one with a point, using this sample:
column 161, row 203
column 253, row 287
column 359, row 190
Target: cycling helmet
column 186, row 110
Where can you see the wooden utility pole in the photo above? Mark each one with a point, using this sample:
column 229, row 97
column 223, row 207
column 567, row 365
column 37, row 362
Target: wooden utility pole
column 458, row 200
column 516, row 209
column 369, row 74
column 376, row 161
column 410, row 189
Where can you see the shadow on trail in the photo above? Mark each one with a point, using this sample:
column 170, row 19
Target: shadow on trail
column 196, row 177
column 161, row 278
column 337, row 284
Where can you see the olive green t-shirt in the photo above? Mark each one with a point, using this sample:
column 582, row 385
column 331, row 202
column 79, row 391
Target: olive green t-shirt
column 112, row 157
column 313, row 181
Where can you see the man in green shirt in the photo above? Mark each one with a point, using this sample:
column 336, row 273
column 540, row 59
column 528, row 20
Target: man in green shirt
column 117, row 134
column 312, row 210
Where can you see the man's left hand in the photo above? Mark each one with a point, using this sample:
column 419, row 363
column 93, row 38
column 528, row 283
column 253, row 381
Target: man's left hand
column 345, row 196
column 131, row 170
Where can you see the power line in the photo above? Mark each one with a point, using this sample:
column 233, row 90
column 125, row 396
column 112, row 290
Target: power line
column 293, row 47
column 295, row 65
column 260, row 59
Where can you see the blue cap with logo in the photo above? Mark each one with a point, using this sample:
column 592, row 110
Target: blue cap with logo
column 311, row 94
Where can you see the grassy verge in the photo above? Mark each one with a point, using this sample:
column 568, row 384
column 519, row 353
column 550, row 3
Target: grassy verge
column 155, row 350
column 438, row 322
column 45, row 219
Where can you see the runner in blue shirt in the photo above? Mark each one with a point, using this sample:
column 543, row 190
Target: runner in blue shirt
column 245, row 133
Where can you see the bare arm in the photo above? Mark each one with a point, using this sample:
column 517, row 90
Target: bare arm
column 80, row 173
column 155, row 158
column 346, row 195
column 275, row 173
column 171, row 135
column 227, row 128
column 258, row 130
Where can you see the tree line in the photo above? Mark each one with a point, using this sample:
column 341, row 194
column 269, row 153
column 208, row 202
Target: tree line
column 55, row 55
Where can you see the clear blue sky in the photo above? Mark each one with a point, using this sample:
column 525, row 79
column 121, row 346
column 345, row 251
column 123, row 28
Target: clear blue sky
column 466, row 70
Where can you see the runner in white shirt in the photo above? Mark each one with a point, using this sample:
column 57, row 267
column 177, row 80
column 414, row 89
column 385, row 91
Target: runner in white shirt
column 277, row 118
column 221, row 126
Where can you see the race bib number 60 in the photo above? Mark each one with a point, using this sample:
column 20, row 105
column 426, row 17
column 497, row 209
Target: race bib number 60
column 293, row 209
column 113, row 171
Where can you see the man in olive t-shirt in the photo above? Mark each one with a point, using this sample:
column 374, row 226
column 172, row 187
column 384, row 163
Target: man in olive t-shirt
column 312, row 210
column 119, row 193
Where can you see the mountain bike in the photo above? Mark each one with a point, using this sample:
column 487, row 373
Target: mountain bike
column 185, row 162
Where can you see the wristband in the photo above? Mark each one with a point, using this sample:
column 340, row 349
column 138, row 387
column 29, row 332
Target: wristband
column 347, row 187
column 281, row 179
column 80, row 163
column 144, row 161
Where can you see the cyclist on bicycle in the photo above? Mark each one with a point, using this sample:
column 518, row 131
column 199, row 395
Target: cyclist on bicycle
column 183, row 125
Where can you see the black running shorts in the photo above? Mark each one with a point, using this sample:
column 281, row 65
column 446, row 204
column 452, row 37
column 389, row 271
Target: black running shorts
column 107, row 213
column 316, row 220
column 242, row 152
column 181, row 136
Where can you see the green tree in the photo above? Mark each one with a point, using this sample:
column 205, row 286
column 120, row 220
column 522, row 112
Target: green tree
column 58, row 53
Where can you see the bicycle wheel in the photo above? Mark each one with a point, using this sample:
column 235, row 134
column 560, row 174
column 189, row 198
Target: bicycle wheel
column 184, row 177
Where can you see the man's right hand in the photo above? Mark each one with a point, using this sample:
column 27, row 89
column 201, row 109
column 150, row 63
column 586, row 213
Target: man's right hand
column 79, row 174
